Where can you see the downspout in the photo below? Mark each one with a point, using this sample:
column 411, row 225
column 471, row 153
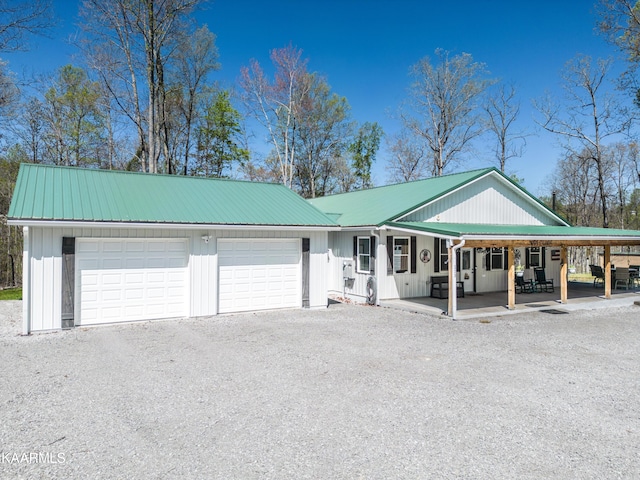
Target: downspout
column 374, row 233
column 26, row 282
column 453, row 289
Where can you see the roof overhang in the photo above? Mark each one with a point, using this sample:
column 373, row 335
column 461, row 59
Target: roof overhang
column 484, row 236
column 170, row 226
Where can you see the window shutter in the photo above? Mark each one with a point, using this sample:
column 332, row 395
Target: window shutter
column 372, row 250
column 543, row 260
column 355, row 247
column 436, row 254
column 505, row 260
column 458, row 265
column 526, row 258
column 414, row 255
column 389, row 254
column 487, row 259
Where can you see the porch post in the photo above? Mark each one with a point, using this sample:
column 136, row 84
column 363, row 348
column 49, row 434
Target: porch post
column 452, row 283
column 607, row 271
column 563, row 274
column 511, row 281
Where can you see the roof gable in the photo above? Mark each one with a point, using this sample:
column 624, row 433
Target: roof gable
column 491, row 199
column 426, row 199
column 375, row 206
column 53, row 193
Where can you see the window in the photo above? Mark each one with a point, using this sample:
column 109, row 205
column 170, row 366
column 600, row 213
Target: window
column 496, row 258
column 364, row 254
column 534, row 257
column 400, row 254
column 443, row 261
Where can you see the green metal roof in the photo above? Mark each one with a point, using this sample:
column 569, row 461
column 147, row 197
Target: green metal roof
column 54, row 193
column 461, row 230
column 376, row 206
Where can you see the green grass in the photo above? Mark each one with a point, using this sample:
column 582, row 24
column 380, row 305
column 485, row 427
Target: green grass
column 11, row 294
column 580, row 277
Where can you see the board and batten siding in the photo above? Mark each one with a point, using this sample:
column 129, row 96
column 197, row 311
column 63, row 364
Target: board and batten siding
column 486, row 201
column 407, row 285
column 43, row 268
column 397, row 285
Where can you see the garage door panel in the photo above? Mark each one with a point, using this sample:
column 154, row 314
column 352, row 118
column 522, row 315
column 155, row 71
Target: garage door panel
column 258, row 274
column 129, row 279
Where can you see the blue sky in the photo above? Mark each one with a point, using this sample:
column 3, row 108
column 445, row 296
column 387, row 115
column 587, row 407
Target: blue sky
column 365, row 49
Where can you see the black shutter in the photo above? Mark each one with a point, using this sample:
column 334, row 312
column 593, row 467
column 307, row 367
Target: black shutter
column 436, row 254
column 505, row 252
column 543, row 253
column 526, row 258
column 458, row 266
column 306, row 249
column 355, row 248
column 487, row 259
column 372, row 260
column 414, row 255
column 389, row 254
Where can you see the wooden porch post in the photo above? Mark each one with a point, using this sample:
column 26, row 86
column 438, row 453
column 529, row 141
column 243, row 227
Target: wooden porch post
column 607, row 271
column 512, row 277
column 452, row 284
column 563, row 274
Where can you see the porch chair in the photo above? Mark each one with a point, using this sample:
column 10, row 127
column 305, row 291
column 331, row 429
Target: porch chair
column 634, row 271
column 541, row 283
column 623, row 277
column 525, row 286
column 598, row 274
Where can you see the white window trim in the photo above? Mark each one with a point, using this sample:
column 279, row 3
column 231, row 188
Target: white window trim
column 408, row 255
column 495, row 254
column 359, row 268
column 443, row 261
column 537, row 253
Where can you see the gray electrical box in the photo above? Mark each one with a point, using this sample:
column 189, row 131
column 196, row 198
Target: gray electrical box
column 347, row 269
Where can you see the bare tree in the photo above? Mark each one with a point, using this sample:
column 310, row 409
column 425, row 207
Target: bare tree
column 134, row 39
column 196, row 57
column 443, row 108
column 273, row 104
column 20, row 19
column 502, row 109
column 408, row 160
column 588, row 117
column 322, row 120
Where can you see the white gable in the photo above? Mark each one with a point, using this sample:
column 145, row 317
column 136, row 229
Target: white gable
column 488, row 200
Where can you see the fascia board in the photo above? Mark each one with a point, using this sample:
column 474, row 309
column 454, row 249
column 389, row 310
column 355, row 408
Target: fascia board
column 170, row 226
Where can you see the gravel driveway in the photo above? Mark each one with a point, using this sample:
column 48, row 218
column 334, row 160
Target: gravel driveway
column 349, row 392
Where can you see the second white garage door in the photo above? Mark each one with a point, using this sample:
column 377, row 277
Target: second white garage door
column 258, row 274
column 127, row 279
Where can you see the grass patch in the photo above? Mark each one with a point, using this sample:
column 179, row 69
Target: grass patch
column 580, row 277
column 11, row 294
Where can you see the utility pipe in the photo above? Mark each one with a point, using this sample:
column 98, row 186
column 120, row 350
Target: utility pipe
column 454, row 289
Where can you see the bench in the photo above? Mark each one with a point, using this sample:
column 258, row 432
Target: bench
column 441, row 285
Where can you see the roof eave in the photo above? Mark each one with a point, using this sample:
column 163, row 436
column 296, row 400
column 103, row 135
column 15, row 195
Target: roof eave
column 158, row 225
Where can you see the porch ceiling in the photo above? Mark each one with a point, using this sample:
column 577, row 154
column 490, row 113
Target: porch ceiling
column 483, row 236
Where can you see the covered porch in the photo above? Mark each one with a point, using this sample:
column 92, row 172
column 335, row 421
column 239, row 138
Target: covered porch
column 510, row 237
column 581, row 295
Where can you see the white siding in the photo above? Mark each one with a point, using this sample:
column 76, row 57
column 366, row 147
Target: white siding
column 398, row 285
column 407, row 285
column 44, row 256
column 488, row 201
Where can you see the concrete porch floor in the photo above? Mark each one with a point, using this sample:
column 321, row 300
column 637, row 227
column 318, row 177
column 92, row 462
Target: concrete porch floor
column 581, row 296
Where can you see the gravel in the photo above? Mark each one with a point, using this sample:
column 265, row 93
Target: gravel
column 349, row 392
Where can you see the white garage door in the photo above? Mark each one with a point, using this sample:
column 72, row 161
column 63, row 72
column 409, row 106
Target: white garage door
column 121, row 280
column 258, row 274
